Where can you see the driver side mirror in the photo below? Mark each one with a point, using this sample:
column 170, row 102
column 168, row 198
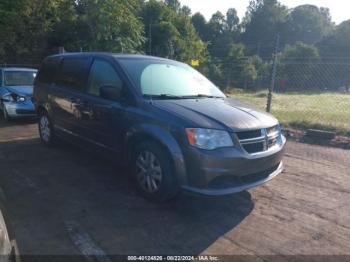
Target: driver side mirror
column 110, row 92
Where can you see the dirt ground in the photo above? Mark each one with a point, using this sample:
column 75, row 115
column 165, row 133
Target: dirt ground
column 67, row 201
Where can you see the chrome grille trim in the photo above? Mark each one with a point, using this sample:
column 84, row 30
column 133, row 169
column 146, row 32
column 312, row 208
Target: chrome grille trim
column 267, row 137
column 252, row 140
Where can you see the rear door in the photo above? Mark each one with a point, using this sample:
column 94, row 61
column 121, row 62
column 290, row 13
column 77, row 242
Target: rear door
column 66, row 91
column 102, row 118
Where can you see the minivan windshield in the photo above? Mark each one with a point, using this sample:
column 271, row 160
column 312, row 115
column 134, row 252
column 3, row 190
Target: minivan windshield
column 19, row 78
column 160, row 78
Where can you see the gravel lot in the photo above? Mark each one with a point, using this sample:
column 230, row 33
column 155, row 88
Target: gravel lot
column 68, row 201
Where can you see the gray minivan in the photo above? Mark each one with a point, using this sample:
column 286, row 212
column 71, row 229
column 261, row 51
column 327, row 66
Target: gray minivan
column 171, row 125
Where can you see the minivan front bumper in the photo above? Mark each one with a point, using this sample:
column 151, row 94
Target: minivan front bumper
column 231, row 170
column 237, row 188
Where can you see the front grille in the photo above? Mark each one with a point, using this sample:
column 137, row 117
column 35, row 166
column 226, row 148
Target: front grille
column 259, row 140
column 254, row 148
column 25, row 112
column 249, row 134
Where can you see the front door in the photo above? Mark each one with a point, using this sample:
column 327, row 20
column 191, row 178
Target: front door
column 102, row 118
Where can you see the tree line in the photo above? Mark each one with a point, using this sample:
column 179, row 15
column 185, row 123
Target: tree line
column 232, row 53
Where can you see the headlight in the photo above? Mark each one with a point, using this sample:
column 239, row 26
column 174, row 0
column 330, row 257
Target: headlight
column 208, row 138
column 13, row 97
column 21, row 98
column 7, row 98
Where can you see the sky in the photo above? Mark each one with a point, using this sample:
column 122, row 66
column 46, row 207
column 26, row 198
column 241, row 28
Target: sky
column 340, row 9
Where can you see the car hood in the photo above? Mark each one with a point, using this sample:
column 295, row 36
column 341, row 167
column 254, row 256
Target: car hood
column 21, row 90
column 216, row 113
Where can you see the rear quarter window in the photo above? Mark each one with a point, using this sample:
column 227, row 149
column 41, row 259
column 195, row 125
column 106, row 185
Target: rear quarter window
column 48, row 71
column 73, row 72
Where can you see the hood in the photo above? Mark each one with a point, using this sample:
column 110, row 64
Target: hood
column 21, row 90
column 216, row 113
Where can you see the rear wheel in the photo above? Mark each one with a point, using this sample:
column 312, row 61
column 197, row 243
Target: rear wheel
column 46, row 131
column 153, row 172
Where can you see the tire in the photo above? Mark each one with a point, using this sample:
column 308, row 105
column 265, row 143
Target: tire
column 46, row 131
column 153, row 172
column 6, row 228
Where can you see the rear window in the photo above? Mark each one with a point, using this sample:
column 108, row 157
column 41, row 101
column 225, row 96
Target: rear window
column 48, row 71
column 73, row 72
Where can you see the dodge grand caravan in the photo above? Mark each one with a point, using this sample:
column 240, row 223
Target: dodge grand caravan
column 172, row 126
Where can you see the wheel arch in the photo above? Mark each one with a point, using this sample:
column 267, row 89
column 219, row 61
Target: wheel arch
column 43, row 107
column 163, row 138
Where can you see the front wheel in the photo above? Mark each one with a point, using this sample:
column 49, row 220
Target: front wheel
column 46, row 131
column 153, row 172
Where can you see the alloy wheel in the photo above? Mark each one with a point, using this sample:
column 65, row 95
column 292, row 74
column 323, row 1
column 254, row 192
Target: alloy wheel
column 45, row 128
column 148, row 172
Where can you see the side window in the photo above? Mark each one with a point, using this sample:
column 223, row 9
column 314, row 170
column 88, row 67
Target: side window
column 0, row 77
column 48, row 71
column 73, row 72
column 102, row 74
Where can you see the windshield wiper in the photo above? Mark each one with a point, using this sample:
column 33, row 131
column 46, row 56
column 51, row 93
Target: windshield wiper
column 203, row 95
column 170, row 96
column 164, row 96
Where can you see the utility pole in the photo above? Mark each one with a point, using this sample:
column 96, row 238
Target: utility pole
column 273, row 77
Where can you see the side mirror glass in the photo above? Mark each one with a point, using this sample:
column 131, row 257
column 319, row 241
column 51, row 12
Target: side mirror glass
column 110, row 92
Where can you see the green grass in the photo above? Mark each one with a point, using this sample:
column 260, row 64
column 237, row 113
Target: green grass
column 327, row 111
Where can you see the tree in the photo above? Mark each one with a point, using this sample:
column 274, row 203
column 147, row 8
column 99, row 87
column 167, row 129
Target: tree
column 26, row 26
column 301, row 51
column 201, row 26
column 171, row 33
column 8, row 13
column 249, row 74
column 333, row 47
column 164, row 40
column 298, row 68
column 232, row 20
column 264, row 20
column 233, row 63
column 111, row 25
column 309, row 24
column 186, row 10
column 67, row 17
column 217, row 24
column 173, row 4
column 33, row 28
column 337, row 43
column 219, row 38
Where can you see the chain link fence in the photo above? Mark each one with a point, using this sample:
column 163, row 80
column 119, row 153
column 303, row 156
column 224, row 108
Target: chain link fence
column 307, row 93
